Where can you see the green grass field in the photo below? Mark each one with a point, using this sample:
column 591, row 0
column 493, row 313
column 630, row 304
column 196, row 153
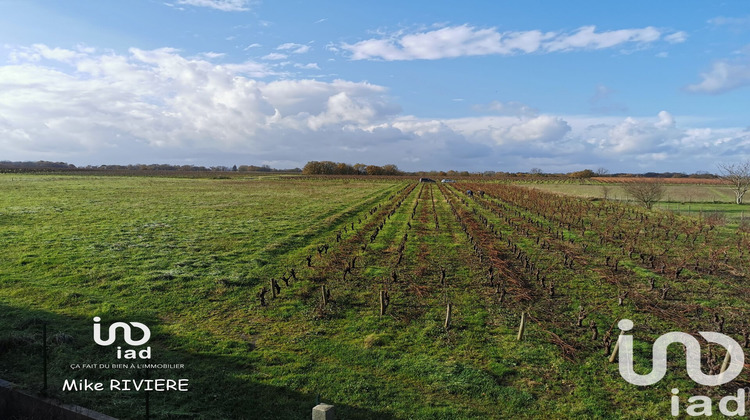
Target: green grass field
column 687, row 199
column 188, row 257
column 674, row 193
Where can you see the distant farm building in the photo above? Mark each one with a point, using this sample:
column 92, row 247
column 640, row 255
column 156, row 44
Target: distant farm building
column 426, row 180
column 447, row 180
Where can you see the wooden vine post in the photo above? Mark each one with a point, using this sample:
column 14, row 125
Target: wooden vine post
column 623, row 327
column 448, row 313
column 522, row 327
column 384, row 300
column 324, row 294
column 613, row 357
column 725, row 365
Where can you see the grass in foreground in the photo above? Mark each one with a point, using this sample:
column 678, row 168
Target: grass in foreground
column 187, row 258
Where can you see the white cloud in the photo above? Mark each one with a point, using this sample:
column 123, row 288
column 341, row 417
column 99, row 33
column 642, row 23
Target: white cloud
column 212, row 54
column 294, row 48
column 724, row 76
column 275, row 56
column 543, row 128
column 160, row 100
column 465, row 40
column 638, row 136
column 223, row 5
column 677, row 37
column 587, row 38
column 666, row 120
column 300, row 99
column 38, row 52
column 308, row 66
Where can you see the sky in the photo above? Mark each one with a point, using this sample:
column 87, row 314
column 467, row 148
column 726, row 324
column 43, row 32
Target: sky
column 633, row 86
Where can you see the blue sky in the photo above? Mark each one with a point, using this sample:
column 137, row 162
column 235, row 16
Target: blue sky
column 488, row 85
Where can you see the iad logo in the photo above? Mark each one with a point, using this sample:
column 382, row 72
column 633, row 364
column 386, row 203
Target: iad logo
column 692, row 357
column 126, row 332
column 127, row 336
column 702, row 404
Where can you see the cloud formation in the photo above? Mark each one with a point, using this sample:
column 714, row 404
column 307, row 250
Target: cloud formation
column 223, row 5
column 293, row 48
column 725, row 75
column 86, row 106
column 736, row 23
column 509, row 108
column 466, row 40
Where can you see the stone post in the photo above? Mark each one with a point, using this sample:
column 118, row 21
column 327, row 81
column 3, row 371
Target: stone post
column 323, row 412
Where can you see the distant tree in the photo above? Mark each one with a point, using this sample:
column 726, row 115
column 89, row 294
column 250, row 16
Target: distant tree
column 586, row 173
column 602, row 172
column 374, row 170
column 344, row 169
column 340, row 168
column 311, row 168
column 391, row 169
column 536, row 171
column 738, row 175
column 646, row 193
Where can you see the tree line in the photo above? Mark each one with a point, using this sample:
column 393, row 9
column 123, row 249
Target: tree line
column 43, row 165
column 340, row 168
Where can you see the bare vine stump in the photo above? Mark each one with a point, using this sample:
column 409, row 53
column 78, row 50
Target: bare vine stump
column 581, row 316
column 664, row 292
column 621, row 297
column 594, row 331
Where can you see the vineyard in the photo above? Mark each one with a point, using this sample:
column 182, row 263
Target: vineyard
column 388, row 298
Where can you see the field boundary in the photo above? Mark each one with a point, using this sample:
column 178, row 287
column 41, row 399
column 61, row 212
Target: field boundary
column 15, row 403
